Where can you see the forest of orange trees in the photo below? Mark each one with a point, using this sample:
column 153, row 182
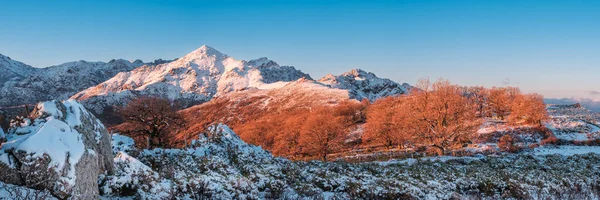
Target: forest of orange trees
column 436, row 116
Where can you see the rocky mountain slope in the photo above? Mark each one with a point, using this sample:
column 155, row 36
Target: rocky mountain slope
column 237, row 108
column 194, row 78
column 22, row 84
column 12, row 69
column 190, row 80
column 362, row 84
column 207, row 73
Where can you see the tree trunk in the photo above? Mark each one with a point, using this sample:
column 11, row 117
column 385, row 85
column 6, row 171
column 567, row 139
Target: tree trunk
column 148, row 142
column 439, row 150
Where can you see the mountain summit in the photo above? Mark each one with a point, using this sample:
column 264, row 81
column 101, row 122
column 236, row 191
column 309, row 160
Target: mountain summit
column 202, row 52
column 197, row 77
column 194, row 78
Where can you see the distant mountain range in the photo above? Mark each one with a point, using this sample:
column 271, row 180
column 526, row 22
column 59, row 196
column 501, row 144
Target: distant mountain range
column 197, row 77
column 23, row 84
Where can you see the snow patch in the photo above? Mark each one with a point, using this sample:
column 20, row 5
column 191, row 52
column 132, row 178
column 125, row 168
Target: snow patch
column 566, row 150
column 59, row 141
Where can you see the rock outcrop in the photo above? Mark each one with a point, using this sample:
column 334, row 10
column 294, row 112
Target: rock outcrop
column 61, row 147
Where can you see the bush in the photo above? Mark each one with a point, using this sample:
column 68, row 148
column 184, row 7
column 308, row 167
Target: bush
column 507, row 144
column 549, row 140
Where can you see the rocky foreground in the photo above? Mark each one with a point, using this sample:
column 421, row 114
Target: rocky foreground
column 63, row 148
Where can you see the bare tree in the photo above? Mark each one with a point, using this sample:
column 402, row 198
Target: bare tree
column 150, row 118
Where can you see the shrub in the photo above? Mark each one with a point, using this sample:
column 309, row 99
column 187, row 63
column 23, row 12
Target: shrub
column 549, row 140
column 507, row 143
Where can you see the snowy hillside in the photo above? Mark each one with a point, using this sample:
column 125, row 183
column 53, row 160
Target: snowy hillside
column 221, row 166
column 13, row 70
column 363, row 84
column 238, row 107
column 23, row 84
column 194, row 78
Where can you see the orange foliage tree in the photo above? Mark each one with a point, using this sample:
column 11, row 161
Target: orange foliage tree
column 479, row 97
column 528, row 109
column 438, row 115
column 287, row 142
column 322, row 133
column 387, row 121
column 499, row 101
column 443, row 117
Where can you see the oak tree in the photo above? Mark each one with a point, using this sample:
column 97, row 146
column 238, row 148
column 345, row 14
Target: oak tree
column 150, row 118
column 322, row 133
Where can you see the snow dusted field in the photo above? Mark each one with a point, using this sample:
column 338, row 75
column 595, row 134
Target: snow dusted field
column 219, row 165
column 224, row 167
column 227, row 168
column 566, row 150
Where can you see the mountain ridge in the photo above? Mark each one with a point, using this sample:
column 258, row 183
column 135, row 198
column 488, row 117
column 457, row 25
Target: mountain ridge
column 194, row 78
column 23, row 84
column 365, row 85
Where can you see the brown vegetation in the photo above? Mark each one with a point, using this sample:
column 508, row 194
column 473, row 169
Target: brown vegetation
column 528, row 109
column 150, row 121
column 439, row 116
column 323, row 133
column 507, row 143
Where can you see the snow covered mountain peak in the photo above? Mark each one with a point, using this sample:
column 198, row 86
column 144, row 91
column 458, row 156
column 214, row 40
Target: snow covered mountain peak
column 194, row 78
column 203, row 52
column 357, row 73
column 362, row 84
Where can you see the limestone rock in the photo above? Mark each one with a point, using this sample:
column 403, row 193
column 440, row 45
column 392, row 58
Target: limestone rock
column 61, row 147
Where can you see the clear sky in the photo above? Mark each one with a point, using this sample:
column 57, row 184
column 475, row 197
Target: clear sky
column 546, row 46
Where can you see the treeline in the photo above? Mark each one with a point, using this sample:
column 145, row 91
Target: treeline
column 442, row 116
column 438, row 117
column 305, row 132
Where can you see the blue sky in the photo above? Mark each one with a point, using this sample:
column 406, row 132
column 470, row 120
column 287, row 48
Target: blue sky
column 550, row 47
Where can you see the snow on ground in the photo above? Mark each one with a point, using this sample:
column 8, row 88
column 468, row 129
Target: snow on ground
column 572, row 136
column 566, row 150
column 268, row 86
column 122, row 143
column 9, row 191
column 221, row 166
column 53, row 134
column 411, row 161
